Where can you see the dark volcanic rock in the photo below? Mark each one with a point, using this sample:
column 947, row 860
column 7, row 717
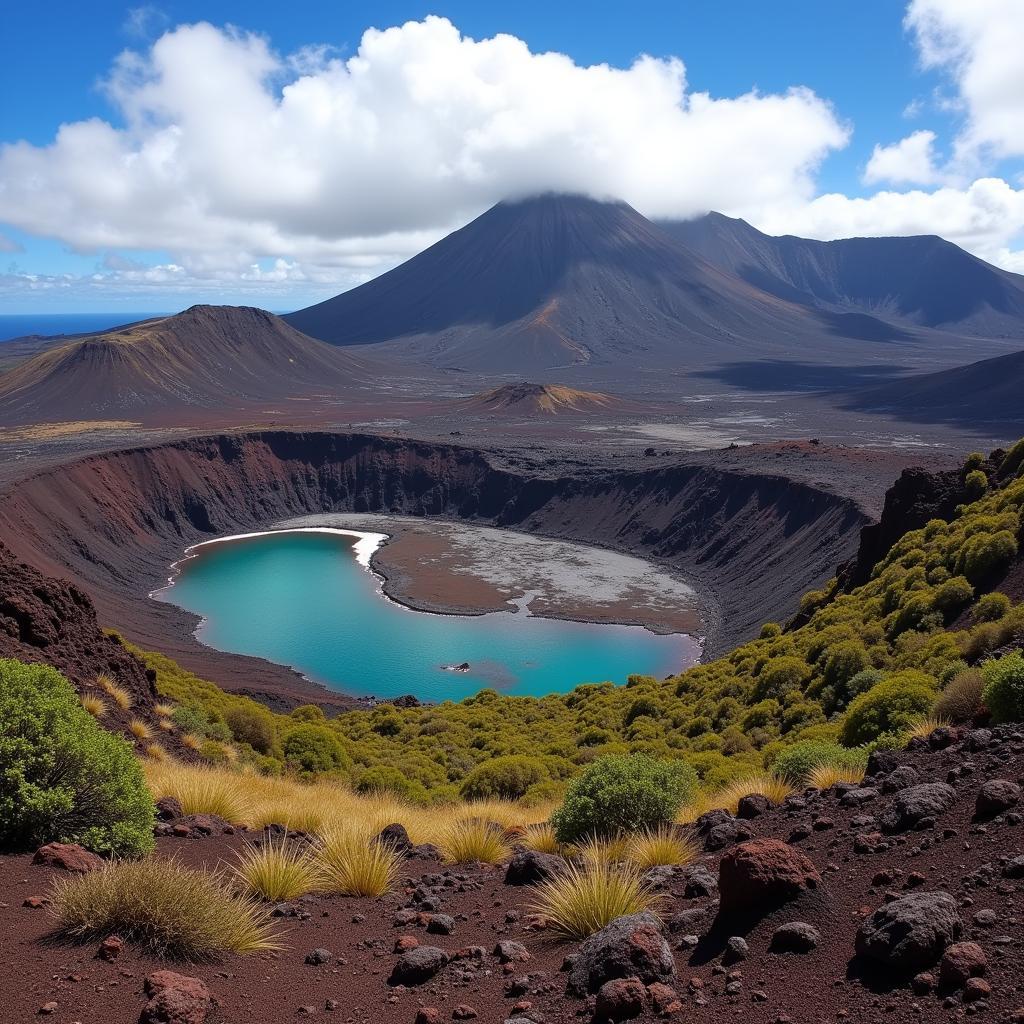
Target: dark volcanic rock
column 753, row 806
column 418, row 965
column 175, row 999
column 396, row 837
column 910, row 933
column 168, row 808
column 629, row 947
column 996, row 796
column 762, row 874
column 528, row 867
column 699, row 881
column 917, row 805
column 795, row 937
column 961, row 961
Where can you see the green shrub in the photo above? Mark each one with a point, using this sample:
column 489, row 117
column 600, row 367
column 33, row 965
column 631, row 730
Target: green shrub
column 314, row 749
column 992, row 607
column 780, row 675
column 974, row 461
column 796, row 762
column 504, row 777
column 985, row 555
column 1004, row 688
column 975, row 483
column 953, row 596
column 308, row 713
column 623, row 794
column 62, row 777
column 386, row 721
column 888, row 707
column 1012, row 460
column 386, row 779
column 252, row 725
column 192, row 717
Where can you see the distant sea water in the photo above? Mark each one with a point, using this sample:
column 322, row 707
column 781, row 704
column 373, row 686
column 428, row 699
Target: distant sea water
column 17, row 325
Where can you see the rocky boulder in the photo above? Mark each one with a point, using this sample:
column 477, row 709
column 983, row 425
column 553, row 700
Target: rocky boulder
column 917, row 806
column 621, row 999
column 960, row 962
column 762, row 874
column 910, row 933
column 995, row 797
column 396, row 837
column 68, row 856
column 629, row 947
column 795, row 937
column 528, row 867
column 175, row 999
column 418, row 965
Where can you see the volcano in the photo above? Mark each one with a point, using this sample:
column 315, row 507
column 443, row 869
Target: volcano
column 920, row 280
column 559, row 281
column 537, row 399
column 206, row 357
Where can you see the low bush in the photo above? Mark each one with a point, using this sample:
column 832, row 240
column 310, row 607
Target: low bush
column 890, row 706
column 962, row 698
column 991, row 608
column 1004, row 688
column 171, row 909
column 796, row 762
column 62, row 777
column 253, row 726
column 315, row 749
column 385, row 779
column 581, row 900
column 623, row 794
column 506, row 778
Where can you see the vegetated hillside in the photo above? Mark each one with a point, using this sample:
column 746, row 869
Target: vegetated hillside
column 921, row 279
column 52, row 622
column 988, row 391
column 859, row 668
column 205, row 357
column 564, row 280
column 534, row 399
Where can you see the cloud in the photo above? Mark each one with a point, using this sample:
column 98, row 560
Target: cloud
column 979, row 43
column 228, row 152
column 145, row 21
column 910, row 161
column 9, row 244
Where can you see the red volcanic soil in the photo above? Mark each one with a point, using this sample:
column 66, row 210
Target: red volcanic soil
column 861, row 867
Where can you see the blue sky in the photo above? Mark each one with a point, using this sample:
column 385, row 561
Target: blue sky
column 80, row 230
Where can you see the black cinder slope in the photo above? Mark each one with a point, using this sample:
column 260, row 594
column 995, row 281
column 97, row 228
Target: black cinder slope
column 560, row 281
column 920, row 280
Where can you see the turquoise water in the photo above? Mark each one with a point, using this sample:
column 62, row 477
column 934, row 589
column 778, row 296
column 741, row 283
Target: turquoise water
column 302, row 599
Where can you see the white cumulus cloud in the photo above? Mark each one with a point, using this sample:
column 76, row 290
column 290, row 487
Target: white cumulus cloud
column 911, row 161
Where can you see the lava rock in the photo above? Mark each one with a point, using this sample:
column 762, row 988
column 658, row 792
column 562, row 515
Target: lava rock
column 764, row 873
column 69, row 856
column 725, row 834
column 736, row 949
column 699, row 881
column 1014, row 868
column 418, row 965
column 753, row 806
column 629, row 947
column 168, row 808
column 396, row 838
column 110, row 948
column 510, row 952
column 911, row 932
column 977, row 739
column 318, row 956
column 961, row 961
column 915, row 805
column 528, row 867
column 858, row 796
column 620, row 999
column 175, row 999
column 996, row 796
column 441, row 924
column 795, row 937
column 899, row 778
column 660, row 877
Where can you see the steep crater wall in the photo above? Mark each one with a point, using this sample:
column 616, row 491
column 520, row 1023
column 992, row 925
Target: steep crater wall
column 752, row 543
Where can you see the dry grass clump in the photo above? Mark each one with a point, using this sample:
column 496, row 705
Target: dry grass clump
column 94, row 704
column 582, row 899
column 764, row 784
column 353, row 863
column 541, row 837
column 156, row 752
column 171, row 909
column 824, row 776
column 473, row 840
column 140, row 730
column 166, row 725
column 163, row 710
column 925, row 726
column 201, row 790
column 962, row 699
column 118, row 694
column 598, row 850
column 661, row 846
column 277, row 871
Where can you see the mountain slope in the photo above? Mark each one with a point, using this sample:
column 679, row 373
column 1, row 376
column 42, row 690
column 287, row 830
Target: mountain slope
column 921, row 280
column 561, row 281
column 532, row 399
column 207, row 357
column 988, row 391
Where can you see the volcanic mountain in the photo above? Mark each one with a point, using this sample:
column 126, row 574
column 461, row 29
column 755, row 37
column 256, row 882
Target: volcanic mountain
column 534, row 399
column 920, row 280
column 988, row 391
column 206, row 357
column 564, row 280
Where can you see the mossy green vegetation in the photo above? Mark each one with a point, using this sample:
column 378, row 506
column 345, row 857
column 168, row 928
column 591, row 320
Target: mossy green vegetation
column 864, row 666
column 62, row 776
